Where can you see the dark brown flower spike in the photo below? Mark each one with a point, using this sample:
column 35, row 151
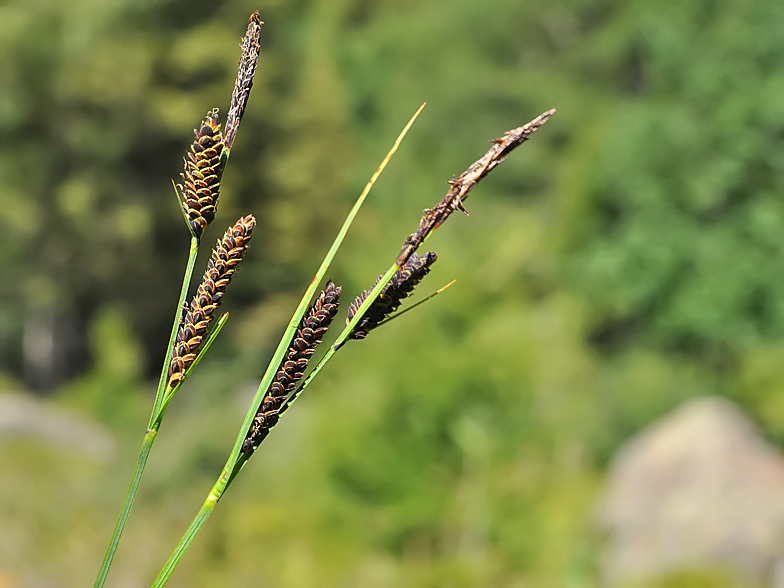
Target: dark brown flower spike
column 201, row 178
column 221, row 268
column 251, row 44
column 461, row 186
column 393, row 294
column 311, row 330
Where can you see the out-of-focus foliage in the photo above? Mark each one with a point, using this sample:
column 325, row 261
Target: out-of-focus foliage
column 628, row 257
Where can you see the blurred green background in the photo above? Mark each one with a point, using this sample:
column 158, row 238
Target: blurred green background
column 625, row 259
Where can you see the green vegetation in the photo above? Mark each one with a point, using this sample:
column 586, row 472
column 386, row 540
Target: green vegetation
column 630, row 257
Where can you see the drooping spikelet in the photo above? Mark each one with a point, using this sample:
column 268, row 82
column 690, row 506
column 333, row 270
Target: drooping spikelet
column 202, row 175
column 221, row 268
column 302, row 347
column 398, row 288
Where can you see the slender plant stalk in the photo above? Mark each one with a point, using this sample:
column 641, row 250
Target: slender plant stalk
column 193, row 529
column 237, row 460
column 152, row 427
column 188, row 345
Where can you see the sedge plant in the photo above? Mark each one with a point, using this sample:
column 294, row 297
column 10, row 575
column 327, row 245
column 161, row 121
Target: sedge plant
column 198, row 195
column 284, row 380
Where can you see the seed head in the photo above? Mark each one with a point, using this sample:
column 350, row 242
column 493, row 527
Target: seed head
column 201, row 178
column 303, row 345
column 221, row 268
column 398, row 288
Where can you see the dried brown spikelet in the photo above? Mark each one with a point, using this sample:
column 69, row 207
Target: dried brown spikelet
column 311, row 330
column 202, row 175
column 221, row 268
column 398, row 288
column 462, row 185
column 251, row 45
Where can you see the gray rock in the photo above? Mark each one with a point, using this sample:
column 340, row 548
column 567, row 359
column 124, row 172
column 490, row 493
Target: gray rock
column 699, row 489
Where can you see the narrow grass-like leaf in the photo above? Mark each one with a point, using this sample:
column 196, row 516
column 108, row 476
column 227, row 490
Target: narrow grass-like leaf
column 180, row 199
column 413, row 306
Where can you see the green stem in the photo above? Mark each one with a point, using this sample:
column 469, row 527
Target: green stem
column 152, row 428
column 149, row 438
column 194, row 528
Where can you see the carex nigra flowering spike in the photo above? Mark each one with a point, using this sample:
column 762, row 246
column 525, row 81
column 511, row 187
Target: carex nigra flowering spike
column 311, row 330
column 202, row 175
column 221, row 268
column 399, row 287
